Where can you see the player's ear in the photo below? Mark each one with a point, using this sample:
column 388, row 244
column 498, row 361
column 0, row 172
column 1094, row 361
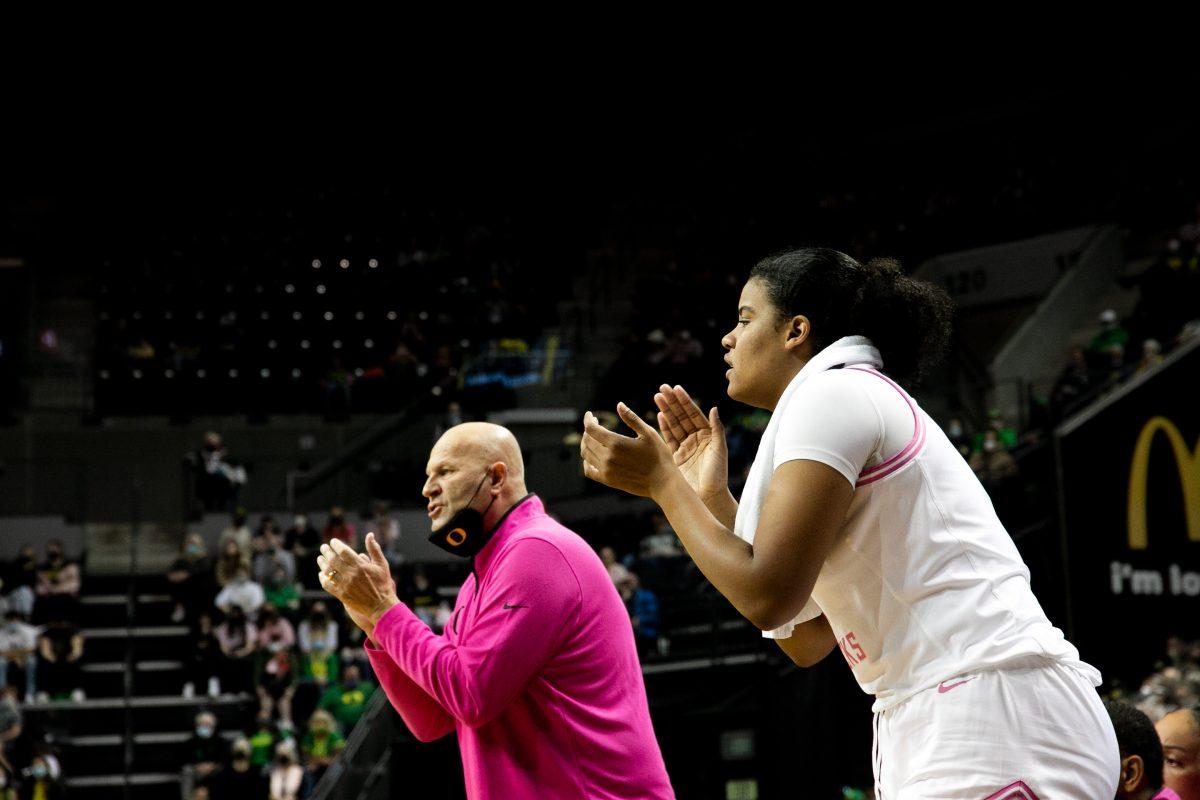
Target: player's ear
column 799, row 329
column 1132, row 772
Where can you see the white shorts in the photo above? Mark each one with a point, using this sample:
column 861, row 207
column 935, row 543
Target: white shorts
column 1030, row 730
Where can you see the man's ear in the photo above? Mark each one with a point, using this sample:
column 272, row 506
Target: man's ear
column 1132, row 772
column 499, row 475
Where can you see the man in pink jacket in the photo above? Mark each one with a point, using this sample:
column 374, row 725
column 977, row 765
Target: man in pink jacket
column 537, row 670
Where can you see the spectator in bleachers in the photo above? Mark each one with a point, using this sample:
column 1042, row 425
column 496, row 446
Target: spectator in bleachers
column 275, row 632
column 189, row 578
column 1077, row 381
column 286, row 778
column 11, row 723
column 318, row 635
column 303, row 541
column 1108, row 345
column 991, row 462
column 203, row 753
column 238, row 531
column 1176, row 684
column 232, row 561
column 617, row 572
column 262, row 740
column 339, row 527
column 58, row 584
column 956, row 432
column 239, row 641
column 662, row 542
column 203, row 665
column 61, row 649
column 18, row 647
column 272, row 556
column 1151, row 355
column 1141, row 776
column 240, row 779
column 347, row 699
column 387, row 531
column 44, row 781
column 7, row 790
column 1180, row 735
column 352, row 653
column 20, row 581
column 277, row 675
column 243, row 593
column 321, row 745
column 1006, row 434
column 266, row 525
column 642, row 605
column 422, row 597
column 218, row 481
column 282, row 593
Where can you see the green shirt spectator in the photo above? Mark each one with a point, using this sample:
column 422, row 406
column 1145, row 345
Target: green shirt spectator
column 322, row 742
column 347, row 700
column 280, row 593
column 319, row 667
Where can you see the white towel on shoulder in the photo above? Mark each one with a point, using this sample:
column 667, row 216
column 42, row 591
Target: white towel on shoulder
column 847, row 351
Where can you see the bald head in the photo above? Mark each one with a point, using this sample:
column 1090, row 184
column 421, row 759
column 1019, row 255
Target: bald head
column 481, row 444
column 470, row 461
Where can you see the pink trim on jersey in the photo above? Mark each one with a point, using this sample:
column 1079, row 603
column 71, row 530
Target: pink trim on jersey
column 909, row 451
column 1018, row 790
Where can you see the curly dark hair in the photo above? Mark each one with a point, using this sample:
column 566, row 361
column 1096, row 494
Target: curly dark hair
column 1136, row 737
column 908, row 320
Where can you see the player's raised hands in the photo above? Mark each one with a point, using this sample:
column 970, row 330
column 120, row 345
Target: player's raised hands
column 697, row 442
column 639, row 464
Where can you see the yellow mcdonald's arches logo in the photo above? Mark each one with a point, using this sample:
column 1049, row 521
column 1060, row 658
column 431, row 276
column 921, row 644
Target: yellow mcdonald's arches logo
column 456, row 537
column 1188, row 463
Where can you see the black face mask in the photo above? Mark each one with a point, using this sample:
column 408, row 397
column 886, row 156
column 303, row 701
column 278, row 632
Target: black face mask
column 463, row 534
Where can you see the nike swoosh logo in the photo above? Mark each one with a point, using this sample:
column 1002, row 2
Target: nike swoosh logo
column 944, row 687
column 518, row 605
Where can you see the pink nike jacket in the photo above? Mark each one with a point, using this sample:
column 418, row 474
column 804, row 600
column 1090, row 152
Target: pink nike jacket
column 537, row 672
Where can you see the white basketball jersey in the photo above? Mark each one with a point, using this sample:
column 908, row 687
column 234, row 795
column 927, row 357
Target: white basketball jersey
column 924, row 583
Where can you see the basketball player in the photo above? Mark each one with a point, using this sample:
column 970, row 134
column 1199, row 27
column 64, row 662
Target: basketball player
column 862, row 529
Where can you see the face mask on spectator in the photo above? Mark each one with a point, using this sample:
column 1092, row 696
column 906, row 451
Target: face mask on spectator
column 38, row 771
column 195, row 549
column 204, row 731
column 955, row 430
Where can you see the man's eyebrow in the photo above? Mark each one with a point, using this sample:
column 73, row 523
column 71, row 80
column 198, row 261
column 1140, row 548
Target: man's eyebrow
column 745, row 308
